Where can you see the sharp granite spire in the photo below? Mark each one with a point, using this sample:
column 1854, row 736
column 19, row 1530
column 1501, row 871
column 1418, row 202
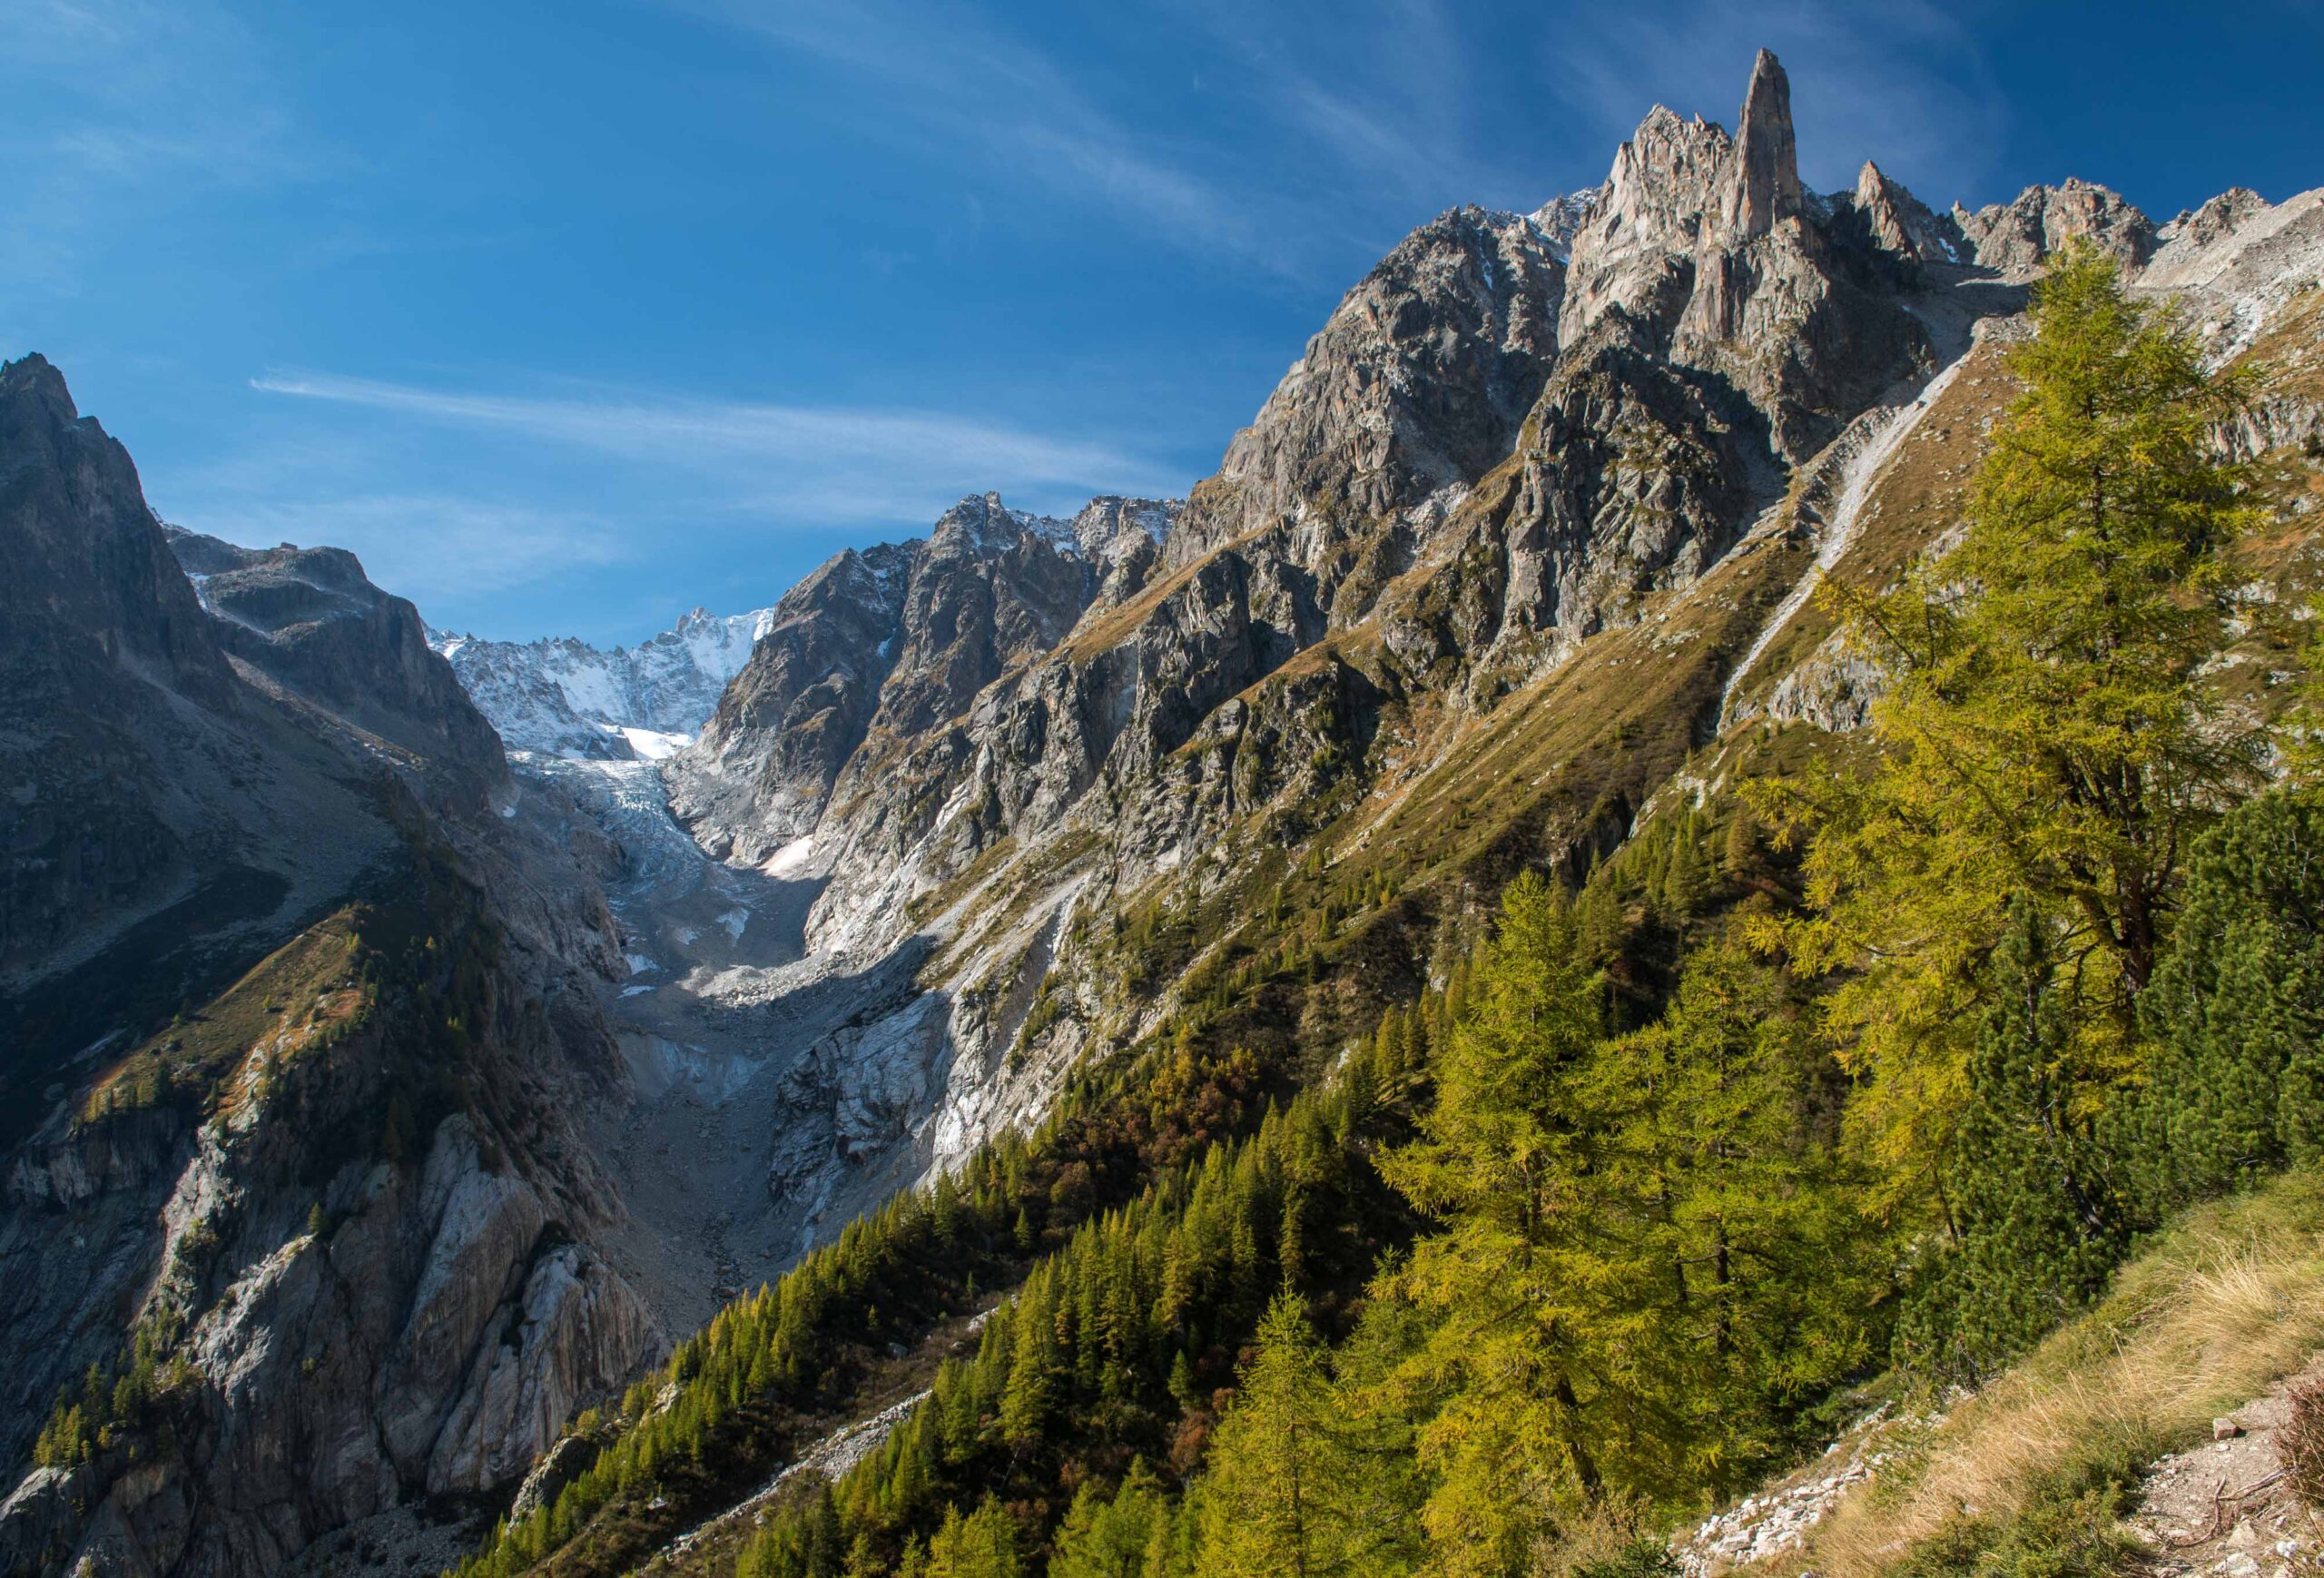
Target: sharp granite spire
column 1763, row 184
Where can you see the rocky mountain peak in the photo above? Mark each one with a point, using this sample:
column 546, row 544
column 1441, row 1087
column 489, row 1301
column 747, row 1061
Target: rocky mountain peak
column 1560, row 218
column 1707, row 252
column 561, row 696
column 1415, row 386
column 84, row 548
column 310, row 620
column 1121, row 539
column 1648, row 216
column 34, row 377
column 2018, row 236
column 1109, row 525
column 1901, row 224
column 2219, row 217
column 1763, row 187
column 980, row 522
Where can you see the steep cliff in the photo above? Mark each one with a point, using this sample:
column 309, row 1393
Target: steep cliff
column 298, row 1021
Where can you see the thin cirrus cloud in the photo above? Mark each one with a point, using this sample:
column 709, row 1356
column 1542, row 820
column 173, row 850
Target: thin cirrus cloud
column 142, row 108
column 430, row 546
column 820, row 464
column 939, row 72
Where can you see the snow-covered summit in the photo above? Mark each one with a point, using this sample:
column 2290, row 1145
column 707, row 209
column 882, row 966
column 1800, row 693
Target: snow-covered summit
column 564, row 697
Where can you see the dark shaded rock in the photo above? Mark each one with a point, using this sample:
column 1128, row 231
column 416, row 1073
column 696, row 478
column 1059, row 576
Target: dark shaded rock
column 309, row 620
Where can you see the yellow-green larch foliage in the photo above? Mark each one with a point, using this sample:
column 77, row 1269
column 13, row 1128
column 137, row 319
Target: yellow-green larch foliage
column 1731, row 1273
column 1301, row 1482
column 1500, row 1160
column 982, row 1546
column 2045, row 729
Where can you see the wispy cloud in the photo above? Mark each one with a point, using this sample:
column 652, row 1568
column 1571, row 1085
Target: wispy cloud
column 1310, row 130
column 138, row 107
column 940, row 71
column 472, row 502
column 828, row 463
column 1378, row 94
column 428, row 546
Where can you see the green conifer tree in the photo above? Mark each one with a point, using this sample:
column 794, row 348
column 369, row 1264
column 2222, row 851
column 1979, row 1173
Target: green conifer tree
column 2234, row 1021
column 2035, row 1227
column 1276, row 1501
column 1106, row 1536
column 1731, row 1272
column 1501, row 1157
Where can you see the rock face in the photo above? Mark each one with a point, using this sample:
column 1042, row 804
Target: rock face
column 426, row 1330
column 1412, row 390
column 2015, row 237
column 799, row 708
column 1763, row 189
column 311, row 622
column 1901, row 226
column 566, row 698
column 296, row 1020
column 1707, row 256
column 159, row 808
column 880, row 646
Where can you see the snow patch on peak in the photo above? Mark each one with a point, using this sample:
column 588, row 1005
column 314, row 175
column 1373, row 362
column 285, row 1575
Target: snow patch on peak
column 1560, row 220
column 1103, row 529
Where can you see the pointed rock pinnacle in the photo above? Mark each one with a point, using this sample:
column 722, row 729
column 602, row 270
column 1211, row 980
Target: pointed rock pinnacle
column 1763, row 184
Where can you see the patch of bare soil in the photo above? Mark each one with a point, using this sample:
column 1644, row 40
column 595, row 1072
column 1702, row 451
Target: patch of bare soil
column 2223, row 1510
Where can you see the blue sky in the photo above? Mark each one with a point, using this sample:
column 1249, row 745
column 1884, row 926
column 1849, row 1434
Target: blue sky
column 568, row 316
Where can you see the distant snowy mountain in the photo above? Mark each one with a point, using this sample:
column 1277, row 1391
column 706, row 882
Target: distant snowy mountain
column 564, row 697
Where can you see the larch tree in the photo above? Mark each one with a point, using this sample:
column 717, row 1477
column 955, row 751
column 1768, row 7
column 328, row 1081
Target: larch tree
column 2045, row 732
column 1277, row 1503
column 1734, row 1271
column 1503, row 1162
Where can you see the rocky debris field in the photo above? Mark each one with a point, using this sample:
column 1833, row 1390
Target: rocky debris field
column 1772, row 1520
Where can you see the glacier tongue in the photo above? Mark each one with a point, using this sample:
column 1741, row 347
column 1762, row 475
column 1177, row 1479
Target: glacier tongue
column 563, row 697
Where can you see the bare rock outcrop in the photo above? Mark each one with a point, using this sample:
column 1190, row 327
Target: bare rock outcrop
column 1901, row 226
column 310, row 621
column 2016, row 237
column 296, row 1021
column 1416, row 386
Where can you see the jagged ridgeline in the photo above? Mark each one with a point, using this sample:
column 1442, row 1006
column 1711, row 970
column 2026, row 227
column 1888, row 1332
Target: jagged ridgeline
column 1643, row 868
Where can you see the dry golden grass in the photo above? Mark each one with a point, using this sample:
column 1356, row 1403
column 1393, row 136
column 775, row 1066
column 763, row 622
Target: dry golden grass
column 2216, row 1311
column 296, row 998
